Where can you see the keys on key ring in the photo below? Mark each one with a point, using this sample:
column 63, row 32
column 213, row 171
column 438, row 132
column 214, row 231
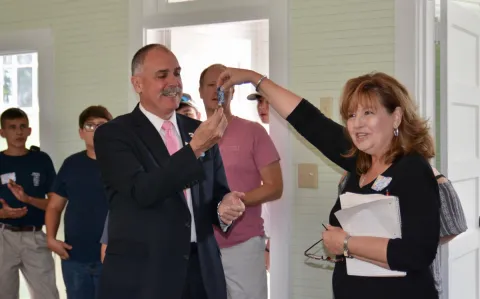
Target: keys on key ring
column 220, row 96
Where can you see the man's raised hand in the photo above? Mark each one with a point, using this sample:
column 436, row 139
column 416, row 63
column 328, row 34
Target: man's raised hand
column 209, row 132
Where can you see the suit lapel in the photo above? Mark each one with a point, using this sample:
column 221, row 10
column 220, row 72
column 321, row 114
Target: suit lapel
column 186, row 132
column 153, row 141
column 182, row 127
column 150, row 137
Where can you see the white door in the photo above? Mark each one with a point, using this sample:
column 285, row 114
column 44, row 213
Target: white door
column 460, row 131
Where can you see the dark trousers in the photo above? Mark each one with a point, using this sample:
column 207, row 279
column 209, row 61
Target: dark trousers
column 194, row 287
column 81, row 279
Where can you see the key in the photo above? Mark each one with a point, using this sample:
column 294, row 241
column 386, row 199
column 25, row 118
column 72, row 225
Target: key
column 220, row 96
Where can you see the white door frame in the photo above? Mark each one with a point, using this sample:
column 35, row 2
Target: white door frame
column 415, row 53
column 415, row 66
column 277, row 13
column 40, row 41
column 415, row 58
column 456, row 19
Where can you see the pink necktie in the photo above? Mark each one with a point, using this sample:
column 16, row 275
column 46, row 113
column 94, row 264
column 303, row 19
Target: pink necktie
column 170, row 137
column 171, row 141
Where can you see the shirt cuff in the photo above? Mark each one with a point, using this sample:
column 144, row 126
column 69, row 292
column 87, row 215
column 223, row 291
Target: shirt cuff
column 223, row 226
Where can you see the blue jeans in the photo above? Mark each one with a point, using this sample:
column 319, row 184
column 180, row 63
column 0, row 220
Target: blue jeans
column 81, row 279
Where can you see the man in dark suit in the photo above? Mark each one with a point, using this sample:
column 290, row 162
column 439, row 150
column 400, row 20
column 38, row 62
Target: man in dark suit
column 166, row 186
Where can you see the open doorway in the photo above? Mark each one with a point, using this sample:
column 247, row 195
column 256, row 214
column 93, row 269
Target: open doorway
column 236, row 44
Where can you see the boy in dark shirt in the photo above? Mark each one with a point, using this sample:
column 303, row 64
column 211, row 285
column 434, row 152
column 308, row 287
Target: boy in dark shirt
column 79, row 183
column 26, row 178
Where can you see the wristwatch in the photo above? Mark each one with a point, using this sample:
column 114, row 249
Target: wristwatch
column 346, row 253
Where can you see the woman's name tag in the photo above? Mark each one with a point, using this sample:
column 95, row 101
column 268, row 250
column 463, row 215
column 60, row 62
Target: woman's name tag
column 381, row 182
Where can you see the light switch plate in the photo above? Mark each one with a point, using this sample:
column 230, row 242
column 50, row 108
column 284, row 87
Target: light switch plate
column 308, row 175
column 326, row 106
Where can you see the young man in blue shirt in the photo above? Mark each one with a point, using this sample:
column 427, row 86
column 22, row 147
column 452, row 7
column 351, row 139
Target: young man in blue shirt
column 79, row 183
column 26, row 179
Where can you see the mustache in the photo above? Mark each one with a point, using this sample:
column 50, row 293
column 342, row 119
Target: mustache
column 171, row 91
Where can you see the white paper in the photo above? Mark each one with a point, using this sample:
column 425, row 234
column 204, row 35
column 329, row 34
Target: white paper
column 378, row 218
column 372, row 215
column 348, row 200
column 360, row 268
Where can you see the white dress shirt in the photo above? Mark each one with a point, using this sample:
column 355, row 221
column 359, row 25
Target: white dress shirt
column 157, row 123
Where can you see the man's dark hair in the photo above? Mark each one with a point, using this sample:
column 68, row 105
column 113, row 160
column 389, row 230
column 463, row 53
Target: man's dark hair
column 11, row 114
column 93, row 112
column 139, row 57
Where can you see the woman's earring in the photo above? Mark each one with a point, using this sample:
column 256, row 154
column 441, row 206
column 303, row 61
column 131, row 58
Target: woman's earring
column 395, row 132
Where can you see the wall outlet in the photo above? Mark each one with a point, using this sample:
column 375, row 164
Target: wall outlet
column 308, row 175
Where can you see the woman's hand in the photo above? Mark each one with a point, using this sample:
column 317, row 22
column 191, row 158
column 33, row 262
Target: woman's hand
column 280, row 99
column 233, row 76
column 333, row 239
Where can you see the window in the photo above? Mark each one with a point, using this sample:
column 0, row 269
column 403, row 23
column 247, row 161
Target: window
column 19, row 81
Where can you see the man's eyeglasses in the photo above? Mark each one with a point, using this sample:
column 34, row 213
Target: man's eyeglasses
column 184, row 99
column 90, row 127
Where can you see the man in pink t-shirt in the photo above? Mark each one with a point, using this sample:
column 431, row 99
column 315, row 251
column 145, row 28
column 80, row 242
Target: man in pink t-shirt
column 252, row 165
